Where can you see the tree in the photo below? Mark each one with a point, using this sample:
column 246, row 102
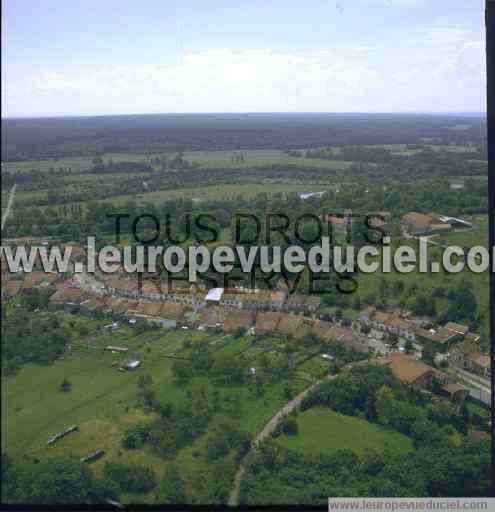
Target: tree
column 409, row 347
column 65, row 386
column 428, row 353
column 173, row 487
column 393, row 338
column 384, row 404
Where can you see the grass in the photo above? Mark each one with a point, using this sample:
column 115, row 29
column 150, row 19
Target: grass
column 322, row 430
column 258, row 157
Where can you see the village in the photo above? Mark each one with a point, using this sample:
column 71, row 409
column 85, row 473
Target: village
column 457, row 359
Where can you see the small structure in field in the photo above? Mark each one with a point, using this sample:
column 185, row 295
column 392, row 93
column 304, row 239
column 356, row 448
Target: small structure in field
column 63, row 433
column 98, row 454
column 131, row 365
column 115, row 348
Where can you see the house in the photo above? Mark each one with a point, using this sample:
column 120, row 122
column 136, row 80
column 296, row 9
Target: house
column 418, row 224
column 214, row 296
column 419, row 375
column 467, row 356
column 454, row 392
column 304, row 329
column 69, row 298
column 172, row 313
column 392, row 323
column 34, row 280
column 254, row 299
column 121, row 287
column 238, row 320
column 267, row 322
column 460, row 330
column 119, row 306
column 440, row 338
column 11, row 289
column 92, row 305
column 321, row 328
column 211, row 317
column 411, row 371
column 288, row 324
column 298, row 303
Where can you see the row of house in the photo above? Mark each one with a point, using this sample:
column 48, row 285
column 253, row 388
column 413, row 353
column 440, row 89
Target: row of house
column 417, row 330
column 208, row 316
column 198, row 296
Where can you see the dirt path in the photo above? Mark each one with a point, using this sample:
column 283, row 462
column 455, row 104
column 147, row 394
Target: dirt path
column 269, row 428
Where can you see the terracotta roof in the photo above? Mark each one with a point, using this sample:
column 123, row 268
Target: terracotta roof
column 406, row 368
column 211, row 316
column 172, row 311
column 440, row 335
column 236, row 319
column 305, row 328
column 12, row 288
column 478, row 435
column 419, row 220
column 68, row 295
column 472, row 337
column 480, row 359
column 303, row 300
column 289, row 323
column 267, row 322
column 452, row 389
column 321, row 328
column 119, row 306
column 147, row 308
column 32, row 279
column 457, row 328
column 120, row 284
column 94, row 303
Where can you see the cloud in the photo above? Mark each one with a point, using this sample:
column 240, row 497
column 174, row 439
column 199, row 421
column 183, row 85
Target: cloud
column 360, row 78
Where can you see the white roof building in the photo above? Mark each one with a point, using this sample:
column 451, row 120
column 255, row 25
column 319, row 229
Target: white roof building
column 214, row 295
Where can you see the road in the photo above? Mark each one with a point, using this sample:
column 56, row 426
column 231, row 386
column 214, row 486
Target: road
column 270, row 427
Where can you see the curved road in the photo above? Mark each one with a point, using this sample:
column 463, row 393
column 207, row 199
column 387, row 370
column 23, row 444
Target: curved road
column 269, row 428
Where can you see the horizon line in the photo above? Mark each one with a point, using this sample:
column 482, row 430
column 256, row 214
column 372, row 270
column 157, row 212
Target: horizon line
column 73, row 116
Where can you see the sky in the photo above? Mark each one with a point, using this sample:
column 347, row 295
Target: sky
column 65, row 58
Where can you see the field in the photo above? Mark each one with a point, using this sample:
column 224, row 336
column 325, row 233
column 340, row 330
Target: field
column 322, row 430
column 103, row 401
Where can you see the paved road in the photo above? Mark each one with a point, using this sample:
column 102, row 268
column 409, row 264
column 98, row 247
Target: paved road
column 270, row 427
